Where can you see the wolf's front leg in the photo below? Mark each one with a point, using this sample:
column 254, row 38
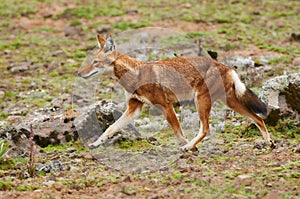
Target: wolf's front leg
column 133, row 110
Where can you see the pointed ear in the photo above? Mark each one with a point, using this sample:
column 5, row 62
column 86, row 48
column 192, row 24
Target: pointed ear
column 101, row 41
column 109, row 44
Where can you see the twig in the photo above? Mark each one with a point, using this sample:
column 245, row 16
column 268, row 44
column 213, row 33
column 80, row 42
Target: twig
column 31, row 166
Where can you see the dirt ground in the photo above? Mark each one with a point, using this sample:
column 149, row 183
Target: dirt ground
column 43, row 45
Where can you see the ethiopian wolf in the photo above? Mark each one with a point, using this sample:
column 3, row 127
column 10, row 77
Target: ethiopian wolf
column 162, row 83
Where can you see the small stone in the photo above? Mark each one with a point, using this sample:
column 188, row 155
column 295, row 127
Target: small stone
column 244, row 179
column 21, row 68
column 87, row 156
column 71, row 149
column 71, row 61
column 282, row 180
column 48, row 183
column 256, row 12
column 58, row 186
column 33, row 84
column 127, row 179
column 259, row 145
column 73, row 30
column 103, row 29
column 188, row 5
column 111, row 85
column 58, row 53
column 2, row 94
column 269, row 184
column 297, row 149
column 14, row 119
column 132, row 11
column 296, row 61
column 295, row 37
column 47, row 14
column 7, row 52
column 280, row 149
column 73, row 168
column 248, row 188
column 272, row 195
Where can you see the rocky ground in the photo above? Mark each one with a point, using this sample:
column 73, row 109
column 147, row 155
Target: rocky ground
column 44, row 43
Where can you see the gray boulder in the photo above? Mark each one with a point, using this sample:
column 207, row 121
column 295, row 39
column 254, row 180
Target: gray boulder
column 282, row 95
column 95, row 119
column 60, row 127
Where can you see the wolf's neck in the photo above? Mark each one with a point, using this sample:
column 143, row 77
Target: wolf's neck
column 124, row 64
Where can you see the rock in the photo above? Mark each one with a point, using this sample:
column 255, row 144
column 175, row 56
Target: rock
column 48, row 183
column 103, row 29
column 73, row 168
column 244, row 179
column 73, row 155
column 96, row 118
column 240, row 62
column 14, row 119
column 61, row 101
column 2, row 94
column 187, row 5
column 246, row 68
column 3, row 126
column 71, row 149
column 132, row 11
column 273, row 195
column 86, row 155
column 59, row 127
column 295, row 37
column 58, row 186
column 248, row 188
column 280, row 149
column 73, row 30
column 282, row 95
column 20, row 67
column 33, row 84
column 7, row 52
column 47, row 13
column 260, row 145
column 296, row 61
column 48, row 128
column 296, row 149
column 52, row 166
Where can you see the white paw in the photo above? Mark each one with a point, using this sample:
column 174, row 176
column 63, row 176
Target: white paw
column 186, row 148
column 93, row 145
column 272, row 144
column 96, row 144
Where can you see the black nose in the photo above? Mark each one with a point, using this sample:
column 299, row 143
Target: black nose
column 79, row 74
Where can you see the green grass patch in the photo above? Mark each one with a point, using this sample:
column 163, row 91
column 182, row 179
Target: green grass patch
column 124, row 25
column 93, row 9
column 18, row 8
column 134, row 145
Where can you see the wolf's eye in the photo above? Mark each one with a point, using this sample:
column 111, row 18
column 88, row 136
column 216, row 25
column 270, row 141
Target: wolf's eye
column 95, row 61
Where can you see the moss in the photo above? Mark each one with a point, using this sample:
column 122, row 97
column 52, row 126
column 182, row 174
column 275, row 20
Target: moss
column 136, row 145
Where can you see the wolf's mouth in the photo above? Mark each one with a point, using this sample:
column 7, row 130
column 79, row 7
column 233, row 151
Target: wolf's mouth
column 90, row 75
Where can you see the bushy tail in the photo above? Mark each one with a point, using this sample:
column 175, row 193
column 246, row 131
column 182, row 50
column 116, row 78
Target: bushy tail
column 247, row 97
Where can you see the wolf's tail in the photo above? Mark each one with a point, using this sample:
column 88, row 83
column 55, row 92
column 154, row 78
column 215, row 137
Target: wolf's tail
column 247, row 97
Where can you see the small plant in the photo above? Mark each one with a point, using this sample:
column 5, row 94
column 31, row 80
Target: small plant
column 3, row 148
column 31, row 166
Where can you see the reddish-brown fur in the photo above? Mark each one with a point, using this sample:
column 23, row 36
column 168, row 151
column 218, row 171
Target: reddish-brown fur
column 161, row 83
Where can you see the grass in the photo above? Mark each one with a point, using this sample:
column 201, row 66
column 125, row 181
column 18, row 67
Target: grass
column 234, row 25
column 3, row 148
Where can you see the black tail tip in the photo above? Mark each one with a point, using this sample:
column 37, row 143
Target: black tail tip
column 254, row 103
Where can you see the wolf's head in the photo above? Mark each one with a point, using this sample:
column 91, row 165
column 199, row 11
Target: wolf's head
column 104, row 57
